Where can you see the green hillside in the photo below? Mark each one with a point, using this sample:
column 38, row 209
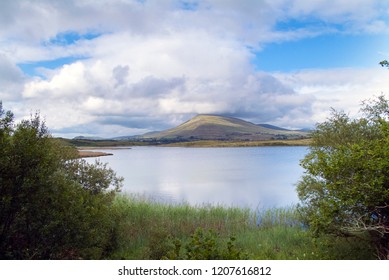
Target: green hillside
column 211, row 127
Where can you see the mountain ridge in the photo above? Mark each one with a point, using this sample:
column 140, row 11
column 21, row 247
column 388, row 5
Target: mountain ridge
column 214, row 127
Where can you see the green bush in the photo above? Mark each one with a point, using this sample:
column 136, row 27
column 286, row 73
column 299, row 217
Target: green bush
column 345, row 189
column 52, row 206
column 206, row 245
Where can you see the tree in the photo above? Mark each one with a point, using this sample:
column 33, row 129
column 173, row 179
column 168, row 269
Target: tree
column 384, row 63
column 345, row 189
column 53, row 206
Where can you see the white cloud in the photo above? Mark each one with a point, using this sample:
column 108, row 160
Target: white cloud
column 179, row 76
column 11, row 79
column 342, row 89
column 356, row 13
column 154, row 64
column 249, row 21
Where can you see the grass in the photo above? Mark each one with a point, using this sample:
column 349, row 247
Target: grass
column 85, row 154
column 146, row 230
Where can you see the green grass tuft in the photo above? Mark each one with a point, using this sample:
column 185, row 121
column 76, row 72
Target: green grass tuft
column 150, row 230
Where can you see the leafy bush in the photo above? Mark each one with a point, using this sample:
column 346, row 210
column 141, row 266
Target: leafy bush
column 345, row 189
column 51, row 206
column 206, row 245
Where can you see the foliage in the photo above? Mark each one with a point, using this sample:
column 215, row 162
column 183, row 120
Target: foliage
column 145, row 228
column 52, row 206
column 384, row 63
column 345, row 189
column 150, row 230
column 95, row 178
column 206, row 245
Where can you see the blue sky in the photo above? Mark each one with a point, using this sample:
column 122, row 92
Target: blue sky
column 64, row 39
column 71, row 38
column 32, row 68
column 325, row 51
column 128, row 67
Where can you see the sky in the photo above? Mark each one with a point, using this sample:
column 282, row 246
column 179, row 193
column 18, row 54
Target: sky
column 108, row 68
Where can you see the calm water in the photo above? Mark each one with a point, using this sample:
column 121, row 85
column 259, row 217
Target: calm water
column 260, row 177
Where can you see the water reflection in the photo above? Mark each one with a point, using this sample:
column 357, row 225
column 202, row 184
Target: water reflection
column 260, row 177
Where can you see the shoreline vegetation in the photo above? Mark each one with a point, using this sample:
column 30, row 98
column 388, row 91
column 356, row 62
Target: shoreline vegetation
column 86, row 154
column 117, row 144
column 58, row 207
column 228, row 144
column 150, row 230
column 88, row 151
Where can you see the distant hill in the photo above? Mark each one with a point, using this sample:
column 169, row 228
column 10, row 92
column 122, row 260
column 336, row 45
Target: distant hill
column 212, row 127
column 88, row 138
column 272, row 126
column 280, row 128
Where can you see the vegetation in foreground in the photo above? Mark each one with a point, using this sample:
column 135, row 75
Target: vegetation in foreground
column 345, row 189
column 52, row 204
column 149, row 230
column 57, row 206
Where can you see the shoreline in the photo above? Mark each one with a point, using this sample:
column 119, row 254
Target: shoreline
column 237, row 144
column 206, row 144
column 87, row 154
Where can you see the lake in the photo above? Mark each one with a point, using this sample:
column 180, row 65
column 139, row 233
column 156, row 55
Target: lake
column 257, row 177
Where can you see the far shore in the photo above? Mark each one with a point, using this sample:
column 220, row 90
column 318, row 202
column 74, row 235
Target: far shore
column 89, row 151
column 227, row 144
column 102, row 148
column 85, row 152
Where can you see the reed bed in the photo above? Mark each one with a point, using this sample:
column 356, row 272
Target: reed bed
column 143, row 226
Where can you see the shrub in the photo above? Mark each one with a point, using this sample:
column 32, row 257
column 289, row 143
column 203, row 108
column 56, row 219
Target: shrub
column 206, row 245
column 345, row 189
column 50, row 208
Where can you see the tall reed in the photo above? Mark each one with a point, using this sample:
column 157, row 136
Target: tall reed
column 144, row 228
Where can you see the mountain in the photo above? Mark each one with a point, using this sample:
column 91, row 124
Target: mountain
column 280, row 128
column 88, row 138
column 213, row 127
column 272, row 126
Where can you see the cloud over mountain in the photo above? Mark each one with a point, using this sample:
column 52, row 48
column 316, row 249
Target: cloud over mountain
column 136, row 66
